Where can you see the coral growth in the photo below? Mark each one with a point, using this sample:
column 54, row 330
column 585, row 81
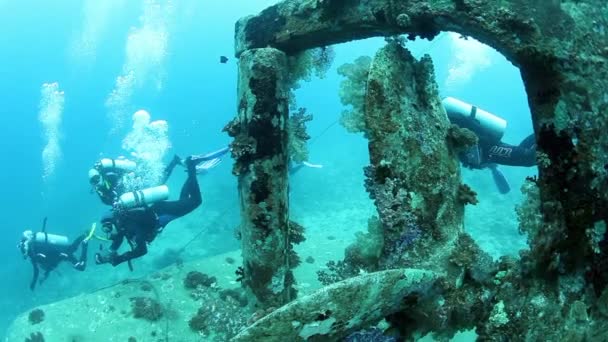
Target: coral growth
column 460, row 139
column 466, row 195
column 323, row 58
column 298, row 137
column 240, row 274
column 198, row 322
column 528, row 212
column 36, row 316
column 352, row 93
column 367, row 248
column 337, row 271
column 397, row 248
column 362, row 255
column 476, row 264
column 236, row 295
column 146, row 308
column 369, row 335
column 195, row 279
column 388, row 195
column 296, row 233
column 220, row 315
column 302, row 65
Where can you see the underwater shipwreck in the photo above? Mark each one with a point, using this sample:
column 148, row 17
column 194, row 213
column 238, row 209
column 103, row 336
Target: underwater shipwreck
column 415, row 268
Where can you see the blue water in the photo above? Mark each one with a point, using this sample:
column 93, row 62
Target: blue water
column 197, row 98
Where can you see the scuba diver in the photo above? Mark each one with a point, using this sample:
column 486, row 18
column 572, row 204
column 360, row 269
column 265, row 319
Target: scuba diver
column 108, row 175
column 490, row 151
column 46, row 251
column 141, row 215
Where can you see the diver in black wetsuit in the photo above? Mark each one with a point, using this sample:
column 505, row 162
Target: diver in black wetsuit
column 490, row 150
column 141, row 225
column 46, row 251
column 107, row 176
column 487, row 153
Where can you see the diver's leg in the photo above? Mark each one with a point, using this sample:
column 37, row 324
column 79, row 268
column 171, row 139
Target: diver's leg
column 189, row 199
column 45, row 276
column 82, row 263
column 525, row 153
column 34, row 275
column 169, row 168
column 74, row 246
column 528, row 142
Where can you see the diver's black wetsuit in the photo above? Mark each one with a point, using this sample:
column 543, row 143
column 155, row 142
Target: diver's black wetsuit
column 141, row 225
column 48, row 256
column 486, row 154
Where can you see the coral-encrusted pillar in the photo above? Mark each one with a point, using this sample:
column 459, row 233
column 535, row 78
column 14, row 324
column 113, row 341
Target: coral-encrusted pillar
column 260, row 151
column 414, row 176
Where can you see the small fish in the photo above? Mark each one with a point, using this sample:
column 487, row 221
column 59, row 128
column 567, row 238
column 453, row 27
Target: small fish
column 223, row 59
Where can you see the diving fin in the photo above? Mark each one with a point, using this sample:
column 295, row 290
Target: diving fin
column 500, row 180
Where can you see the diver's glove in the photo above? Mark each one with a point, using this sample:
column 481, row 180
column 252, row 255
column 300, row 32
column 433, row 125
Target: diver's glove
column 471, row 157
column 101, row 259
column 104, row 258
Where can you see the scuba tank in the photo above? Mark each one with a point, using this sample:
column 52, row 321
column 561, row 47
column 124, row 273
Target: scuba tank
column 46, row 238
column 141, row 198
column 94, row 177
column 120, row 164
column 52, row 239
column 486, row 125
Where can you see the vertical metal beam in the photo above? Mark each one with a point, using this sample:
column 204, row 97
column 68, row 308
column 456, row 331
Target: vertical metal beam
column 260, row 150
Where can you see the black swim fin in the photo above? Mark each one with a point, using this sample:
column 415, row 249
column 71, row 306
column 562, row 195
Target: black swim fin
column 500, row 180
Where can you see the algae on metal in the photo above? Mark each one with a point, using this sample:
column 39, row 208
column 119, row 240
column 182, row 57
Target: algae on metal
column 332, row 312
column 260, row 148
column 560, row 49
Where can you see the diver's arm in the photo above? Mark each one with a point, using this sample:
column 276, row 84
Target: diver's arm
column 138, row 250
column 102, row 258
column 117, row 240
column 35, row 275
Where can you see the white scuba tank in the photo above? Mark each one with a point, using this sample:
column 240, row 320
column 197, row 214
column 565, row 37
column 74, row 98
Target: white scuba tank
column 52, row 239
column 143, row 197
column 465, row 115
column 121, row 164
